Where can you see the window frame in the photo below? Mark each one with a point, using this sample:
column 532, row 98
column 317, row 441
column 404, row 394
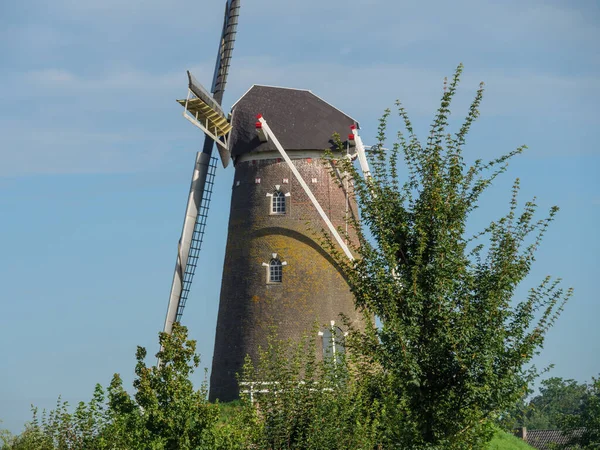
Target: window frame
column 333, row 340
column 275, row 264
column 278, row 206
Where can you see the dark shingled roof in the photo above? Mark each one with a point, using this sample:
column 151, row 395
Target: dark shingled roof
column 299, row 119
column 548, row 439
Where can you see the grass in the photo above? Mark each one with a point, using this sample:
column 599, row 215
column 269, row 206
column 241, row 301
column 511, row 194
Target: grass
column 229, row 410
column 505, row 441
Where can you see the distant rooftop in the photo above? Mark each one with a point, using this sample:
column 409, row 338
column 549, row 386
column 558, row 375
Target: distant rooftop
column 548, row 439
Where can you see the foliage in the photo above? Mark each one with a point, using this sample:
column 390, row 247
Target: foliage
column 307, row 402
column 335, row 411
column 60, row 429
column 454, row 341
column 586, row 420
column 557, row 397
column 505, row 441
column 166, row 412
column 6, row 438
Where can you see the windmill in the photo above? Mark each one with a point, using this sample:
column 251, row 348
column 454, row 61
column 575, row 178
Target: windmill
column 274, row 273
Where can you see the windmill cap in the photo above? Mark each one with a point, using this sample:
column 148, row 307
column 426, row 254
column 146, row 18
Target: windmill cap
column 299, row 119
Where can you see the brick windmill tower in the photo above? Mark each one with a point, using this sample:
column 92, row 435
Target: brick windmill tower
column 275, row 274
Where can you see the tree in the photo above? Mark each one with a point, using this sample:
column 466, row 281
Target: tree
column 61, row 429
column 584, row 425
column 6, row 438
column 166, row 412
column 557, row 397
column 454, row 342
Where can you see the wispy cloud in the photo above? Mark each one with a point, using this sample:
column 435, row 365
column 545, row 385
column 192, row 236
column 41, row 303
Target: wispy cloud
column 59, row 81
column 41, row 150
column 112, row 122
column 104, row 75
column 369, row 88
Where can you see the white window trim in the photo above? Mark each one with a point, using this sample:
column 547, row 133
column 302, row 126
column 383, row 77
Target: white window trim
column 267, row 266
column 284, row 201
column 333, row 343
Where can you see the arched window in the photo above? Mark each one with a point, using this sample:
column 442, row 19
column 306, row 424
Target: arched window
column 275, row 271
column 278, row 203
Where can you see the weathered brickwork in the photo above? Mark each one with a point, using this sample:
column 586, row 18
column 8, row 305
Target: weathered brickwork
column 312, row 289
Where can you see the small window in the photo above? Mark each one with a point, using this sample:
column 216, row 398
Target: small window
column 333, row 343
column 275, row 271
column 278, row 203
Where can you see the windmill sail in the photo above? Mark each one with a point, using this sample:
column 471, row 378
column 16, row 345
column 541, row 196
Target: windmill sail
column 230, row 23
column 204, row 170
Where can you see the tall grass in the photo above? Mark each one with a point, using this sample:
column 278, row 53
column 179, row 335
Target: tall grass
column 505, row 441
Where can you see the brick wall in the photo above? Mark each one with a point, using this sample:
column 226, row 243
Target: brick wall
column 312, row 289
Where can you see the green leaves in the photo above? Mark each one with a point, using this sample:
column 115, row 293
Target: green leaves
column 583, row 426
column 166, row 411
column 297, row 401
column 453, row 340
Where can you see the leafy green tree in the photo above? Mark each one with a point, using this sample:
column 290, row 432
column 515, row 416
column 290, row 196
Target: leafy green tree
column 557, row 397
column 454, row 340
column 6, row 438
column 166, row 411
column 60, row 429
column 584, row 425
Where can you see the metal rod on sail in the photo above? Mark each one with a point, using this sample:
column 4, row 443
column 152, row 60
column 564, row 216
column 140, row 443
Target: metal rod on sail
column 311, row 196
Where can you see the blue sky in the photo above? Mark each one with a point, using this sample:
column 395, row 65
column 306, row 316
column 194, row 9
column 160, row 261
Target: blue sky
column 95, row 158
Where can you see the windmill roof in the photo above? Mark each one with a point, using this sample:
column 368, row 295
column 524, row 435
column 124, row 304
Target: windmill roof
column 300, row 119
